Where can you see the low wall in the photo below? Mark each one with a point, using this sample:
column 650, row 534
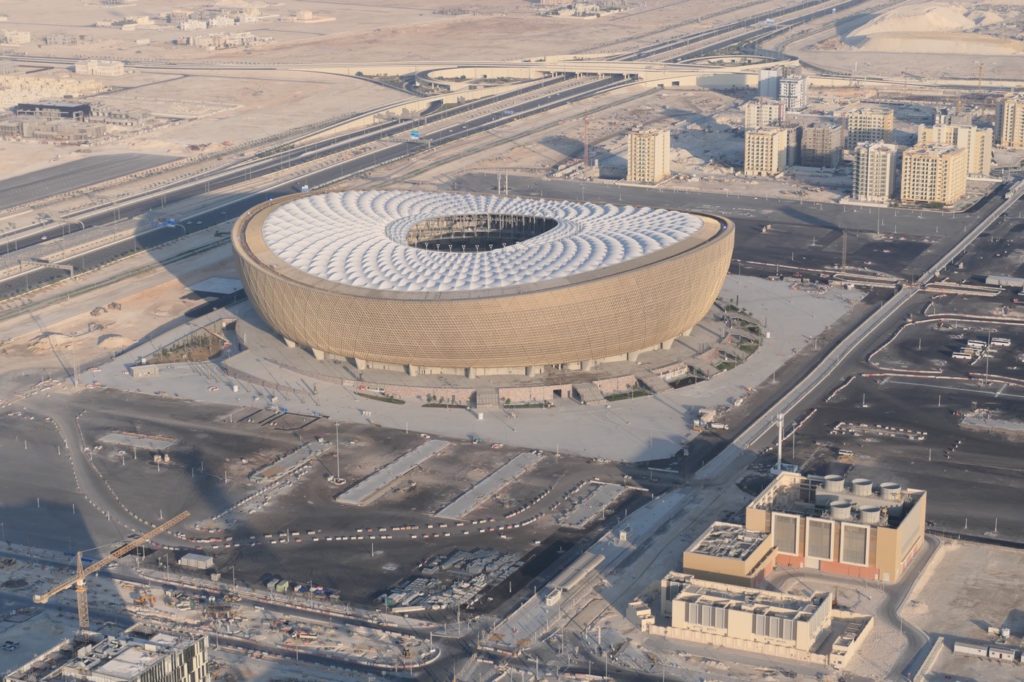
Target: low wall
column 739, row 644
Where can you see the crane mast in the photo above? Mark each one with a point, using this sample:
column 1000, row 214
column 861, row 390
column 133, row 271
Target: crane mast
column 81, row 572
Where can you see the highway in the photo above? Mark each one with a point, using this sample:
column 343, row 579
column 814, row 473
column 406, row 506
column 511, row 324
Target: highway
column 725, row 463
column 294, row 151
column 235, row 206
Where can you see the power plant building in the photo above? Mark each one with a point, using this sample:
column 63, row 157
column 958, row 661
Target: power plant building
column 471, row 285
column 933, row 174
column 650, row 156
column 1009, row 131
column 977, row 142
column 803, row 627
column 874, row 172
column 851, row 528
column 821, row 145
column 139, row 655
column 869, row 124
column 765, row 151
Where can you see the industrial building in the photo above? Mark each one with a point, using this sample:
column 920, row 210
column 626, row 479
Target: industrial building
column 139, row 655
column 649, row 156
column 846, row 527
column 793, row 92
column 444, row 283
column 765, row 151
column 869, row 124
column 874, row 172
column 762, row 113
column 801, row 627
column 977, row 142
column 1010, row 122
column 821, row 145
column 72, row 110
column 730, row 553
column 933, row 174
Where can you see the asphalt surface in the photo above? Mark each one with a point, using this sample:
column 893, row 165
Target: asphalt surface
column 297, row 153
column 237, row 205
column 65, row 177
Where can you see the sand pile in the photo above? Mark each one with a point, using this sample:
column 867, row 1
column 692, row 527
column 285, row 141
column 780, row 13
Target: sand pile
column 112, row 342
column 939, row 28
column 47, row 341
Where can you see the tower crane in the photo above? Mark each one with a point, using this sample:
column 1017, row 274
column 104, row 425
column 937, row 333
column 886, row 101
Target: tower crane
column 81, row 573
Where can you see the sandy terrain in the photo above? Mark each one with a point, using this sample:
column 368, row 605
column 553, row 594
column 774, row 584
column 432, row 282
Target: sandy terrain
column 418, row 29
column 967, row 588
column 942, row 28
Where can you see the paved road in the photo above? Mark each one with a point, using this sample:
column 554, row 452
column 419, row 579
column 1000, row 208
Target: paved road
column 738, row 206
column 834, row 364
column 241, row 202
column 71, row 175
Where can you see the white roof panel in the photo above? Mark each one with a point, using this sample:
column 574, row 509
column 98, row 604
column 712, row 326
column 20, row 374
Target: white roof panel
column 358, row 238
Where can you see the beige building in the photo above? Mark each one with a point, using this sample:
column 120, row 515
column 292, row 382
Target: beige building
column 1010, row 122
column 762, row 113
column 801, row 627
column 100, row 67
column 977, row 142
column 933, row 174
column 649, row 157
column 869, row 124
column 138, row 655
column 851, row 527
column 821, row 145
column 765, row 151
column 874, row 172
column 729, row 553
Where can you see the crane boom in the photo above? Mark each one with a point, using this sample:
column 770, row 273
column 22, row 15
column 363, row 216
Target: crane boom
column 81, row 573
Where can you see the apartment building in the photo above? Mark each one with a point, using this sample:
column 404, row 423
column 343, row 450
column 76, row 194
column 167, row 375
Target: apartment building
column 649, row 156
column 869, row 124
column 933, row 174
column 765, row 151
column 977, row 142
column 874, row 172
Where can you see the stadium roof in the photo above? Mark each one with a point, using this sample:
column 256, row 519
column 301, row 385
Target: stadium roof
column 359, row 238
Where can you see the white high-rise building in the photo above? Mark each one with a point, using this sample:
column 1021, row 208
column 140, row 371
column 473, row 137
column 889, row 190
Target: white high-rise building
column 793, row 92
column 768, row 83
column 874, row 172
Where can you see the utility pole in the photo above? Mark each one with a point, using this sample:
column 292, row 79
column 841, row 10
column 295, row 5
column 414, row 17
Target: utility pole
column 337, row 451
column 779, row 461
column 586, row 147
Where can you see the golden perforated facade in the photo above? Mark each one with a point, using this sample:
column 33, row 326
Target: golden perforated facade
column 568, row 322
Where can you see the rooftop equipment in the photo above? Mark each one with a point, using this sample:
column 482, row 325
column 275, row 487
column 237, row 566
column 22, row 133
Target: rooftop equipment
column 861, row 487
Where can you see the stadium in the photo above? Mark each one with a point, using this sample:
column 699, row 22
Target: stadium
column 445, row 283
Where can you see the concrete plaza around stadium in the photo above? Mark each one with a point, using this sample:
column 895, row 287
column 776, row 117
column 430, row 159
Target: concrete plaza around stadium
column 650, row 427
